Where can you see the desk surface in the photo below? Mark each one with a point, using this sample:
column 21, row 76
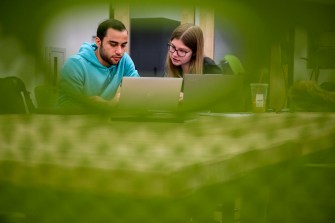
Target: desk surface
column 86, row 152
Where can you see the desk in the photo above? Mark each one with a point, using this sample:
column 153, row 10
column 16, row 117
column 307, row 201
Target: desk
column 91, row 154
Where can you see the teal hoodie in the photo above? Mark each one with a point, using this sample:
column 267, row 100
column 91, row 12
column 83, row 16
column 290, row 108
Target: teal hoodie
column 83, row 75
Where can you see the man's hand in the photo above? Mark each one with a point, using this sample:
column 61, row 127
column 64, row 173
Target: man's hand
column 97, row 100
column 100, row 101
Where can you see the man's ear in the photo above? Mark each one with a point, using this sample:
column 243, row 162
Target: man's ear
column 98, row 41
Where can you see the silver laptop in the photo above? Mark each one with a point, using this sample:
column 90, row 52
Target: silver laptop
column 142, row 94
column 213, row 93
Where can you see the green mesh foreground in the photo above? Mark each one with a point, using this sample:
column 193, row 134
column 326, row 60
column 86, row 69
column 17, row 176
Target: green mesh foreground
column 231, row 168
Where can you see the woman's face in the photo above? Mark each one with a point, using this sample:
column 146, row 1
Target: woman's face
column 179, row 53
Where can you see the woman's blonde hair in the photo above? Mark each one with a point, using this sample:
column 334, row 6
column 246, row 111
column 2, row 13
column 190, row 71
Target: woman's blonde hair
column 192, row 36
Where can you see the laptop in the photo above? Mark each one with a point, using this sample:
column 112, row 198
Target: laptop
column 213, row 93
column 148, row 98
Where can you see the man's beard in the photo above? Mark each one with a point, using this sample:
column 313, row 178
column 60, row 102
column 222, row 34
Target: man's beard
column 103, row 55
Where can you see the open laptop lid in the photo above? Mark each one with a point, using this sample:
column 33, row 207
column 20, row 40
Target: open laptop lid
column 213, row 93
column 141, row 94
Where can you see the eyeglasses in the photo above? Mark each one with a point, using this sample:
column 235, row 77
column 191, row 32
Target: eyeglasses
column 180, row 53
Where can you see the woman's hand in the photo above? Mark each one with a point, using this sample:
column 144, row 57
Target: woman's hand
column 181, row 96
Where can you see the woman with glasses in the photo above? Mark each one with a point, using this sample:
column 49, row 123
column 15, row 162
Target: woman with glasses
column 186, row 53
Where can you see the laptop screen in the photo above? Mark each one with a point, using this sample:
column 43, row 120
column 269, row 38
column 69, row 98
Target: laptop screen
column 213, row 93
column 150, row 93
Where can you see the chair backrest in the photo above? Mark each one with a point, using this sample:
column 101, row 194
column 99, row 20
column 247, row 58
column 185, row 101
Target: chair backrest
column 14, row 97
column 231, row 64
column 46, row 96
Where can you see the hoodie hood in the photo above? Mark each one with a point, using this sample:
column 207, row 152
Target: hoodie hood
column 87, row 52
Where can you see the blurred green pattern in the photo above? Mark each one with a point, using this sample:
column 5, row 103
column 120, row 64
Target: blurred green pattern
column 249, row 168
column 254, row 168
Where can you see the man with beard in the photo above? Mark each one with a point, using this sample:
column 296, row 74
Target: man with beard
column 91, row 78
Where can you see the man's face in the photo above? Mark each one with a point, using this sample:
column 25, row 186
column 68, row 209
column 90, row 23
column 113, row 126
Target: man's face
column 113, row 46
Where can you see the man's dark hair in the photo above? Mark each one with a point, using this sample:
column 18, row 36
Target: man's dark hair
column 109, row 23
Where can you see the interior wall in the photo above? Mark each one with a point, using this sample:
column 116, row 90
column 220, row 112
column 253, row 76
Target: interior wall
column 15, row 61
column 67, row 30
column 154, row 11
column 150, row 29
column 249, row 29
column 301, row 56
column 73, row 26
column 240, row 29
column 149, row 38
